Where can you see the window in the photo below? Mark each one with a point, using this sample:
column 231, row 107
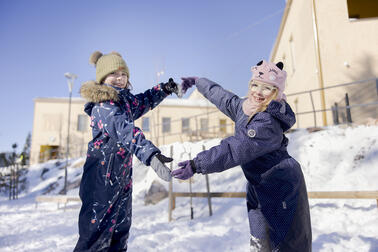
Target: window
column 204, row 127
column 185, row 126
column 166, row 124
column 82, row 121
column 222, row 125
column 358, row 9
column 146, row 124
column 51, row 122
column 292, row 55
column 48, row 152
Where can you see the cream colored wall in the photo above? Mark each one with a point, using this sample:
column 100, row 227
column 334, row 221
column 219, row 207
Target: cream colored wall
column 176, row 113
column 296, row 50
column 51, row 119
column 348, row 52
column 50, row 126
column 344, row 40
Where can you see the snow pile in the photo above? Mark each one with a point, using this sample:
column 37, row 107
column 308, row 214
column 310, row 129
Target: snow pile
column 337, row 159
column 334, row 159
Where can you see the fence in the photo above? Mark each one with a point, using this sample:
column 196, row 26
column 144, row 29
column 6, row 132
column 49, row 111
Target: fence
column 11, row 179
column 311, row 195
column 362, row 99
column 355, row 106
column 208, row 194
column 59, row 199
column 211, row 124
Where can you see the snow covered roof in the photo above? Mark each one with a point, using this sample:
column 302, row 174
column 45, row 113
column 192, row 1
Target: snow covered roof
column 58, row 99
column 187, row 103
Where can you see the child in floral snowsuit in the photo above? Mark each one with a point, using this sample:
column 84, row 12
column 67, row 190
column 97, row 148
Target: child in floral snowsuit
column 277, row 201
column 106, row 185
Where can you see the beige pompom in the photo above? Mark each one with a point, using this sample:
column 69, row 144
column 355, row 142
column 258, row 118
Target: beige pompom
column 94, row 57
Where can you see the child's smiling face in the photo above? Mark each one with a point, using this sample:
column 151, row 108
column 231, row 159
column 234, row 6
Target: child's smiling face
column 117, row 79
column 260, row 92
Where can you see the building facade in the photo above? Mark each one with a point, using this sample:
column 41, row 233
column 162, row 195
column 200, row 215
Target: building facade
column 326, row 43
column 174, row 120
column 322, row 44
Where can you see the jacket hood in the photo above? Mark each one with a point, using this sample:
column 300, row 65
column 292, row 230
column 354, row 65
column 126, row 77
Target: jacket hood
column 96, row 93
column 283, row 113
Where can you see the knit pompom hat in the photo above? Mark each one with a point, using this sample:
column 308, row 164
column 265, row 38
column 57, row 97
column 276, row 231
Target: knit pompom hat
column 271, row 73
column 108, row 63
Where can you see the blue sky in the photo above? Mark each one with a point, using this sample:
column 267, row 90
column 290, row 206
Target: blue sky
column 43, row 39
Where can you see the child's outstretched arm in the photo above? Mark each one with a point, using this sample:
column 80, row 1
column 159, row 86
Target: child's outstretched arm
column 141, row 103
column 226, row 101
column 144, row 102
column 116, row 124
column 259, row 138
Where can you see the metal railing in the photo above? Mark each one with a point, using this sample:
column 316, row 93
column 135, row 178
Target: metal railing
column 335, row 108
column 197, row 133
column 341, row 110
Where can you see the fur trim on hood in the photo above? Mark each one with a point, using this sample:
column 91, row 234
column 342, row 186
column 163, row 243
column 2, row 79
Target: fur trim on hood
column 94, row 92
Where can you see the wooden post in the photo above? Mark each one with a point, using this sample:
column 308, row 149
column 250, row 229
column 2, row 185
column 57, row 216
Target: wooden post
column 191, row 198
column 208, row 195
column 171, row 203
column 197, row 129
column 17, row 180
column 10, row 182
column 208, row 189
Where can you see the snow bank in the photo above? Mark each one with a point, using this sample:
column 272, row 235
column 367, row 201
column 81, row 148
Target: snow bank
column 332, row 159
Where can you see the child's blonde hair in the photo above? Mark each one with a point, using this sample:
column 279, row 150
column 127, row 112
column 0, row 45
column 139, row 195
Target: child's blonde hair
column 265, row 104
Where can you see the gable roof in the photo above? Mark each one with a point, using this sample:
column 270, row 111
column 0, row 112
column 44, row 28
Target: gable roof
column 282, row 26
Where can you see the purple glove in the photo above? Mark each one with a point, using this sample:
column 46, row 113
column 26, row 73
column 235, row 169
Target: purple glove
column 186, row 170
column 187, row 83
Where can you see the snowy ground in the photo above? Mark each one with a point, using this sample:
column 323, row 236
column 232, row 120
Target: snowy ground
column 334, row 159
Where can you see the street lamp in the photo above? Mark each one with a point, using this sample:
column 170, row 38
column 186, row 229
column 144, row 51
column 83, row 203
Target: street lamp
column 158, row 74
column 70, row 80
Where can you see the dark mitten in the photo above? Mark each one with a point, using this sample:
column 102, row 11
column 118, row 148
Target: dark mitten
column 163, row 158
column 170, row 87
